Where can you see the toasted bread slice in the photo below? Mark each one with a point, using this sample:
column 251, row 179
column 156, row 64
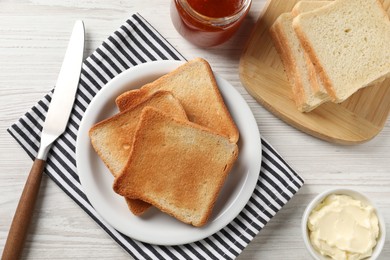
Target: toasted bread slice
column 194, row 85
column 348, row 41
column 177, row 166
column 113, row 138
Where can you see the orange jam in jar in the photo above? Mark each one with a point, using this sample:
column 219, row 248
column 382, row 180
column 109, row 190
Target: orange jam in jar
column 208, row 23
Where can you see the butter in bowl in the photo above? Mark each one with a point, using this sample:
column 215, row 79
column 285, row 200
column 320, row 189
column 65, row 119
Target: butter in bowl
column 343, row 224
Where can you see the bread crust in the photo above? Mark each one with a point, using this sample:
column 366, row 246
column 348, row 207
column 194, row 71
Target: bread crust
column 287, row 61
column 308, row 48
column 179, row 176
column 352, row 53
column 303, row 94
column 276, row 35
column 130, row 99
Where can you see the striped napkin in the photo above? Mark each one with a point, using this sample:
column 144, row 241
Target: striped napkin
column 135, row 42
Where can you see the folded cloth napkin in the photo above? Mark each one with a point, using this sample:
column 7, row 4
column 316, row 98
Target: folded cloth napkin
column 135, row 42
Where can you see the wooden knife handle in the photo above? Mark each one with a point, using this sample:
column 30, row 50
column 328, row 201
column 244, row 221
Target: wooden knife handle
column 23, row 215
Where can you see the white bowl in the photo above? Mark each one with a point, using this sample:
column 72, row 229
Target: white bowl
column 354, row 194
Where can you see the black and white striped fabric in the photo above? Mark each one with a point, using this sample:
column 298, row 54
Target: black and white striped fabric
column 133, row 43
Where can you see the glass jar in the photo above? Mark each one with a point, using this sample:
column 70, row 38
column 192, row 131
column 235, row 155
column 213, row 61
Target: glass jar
column 208, row 23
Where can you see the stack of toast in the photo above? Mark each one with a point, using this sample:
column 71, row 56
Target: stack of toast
column 172, row 144
column 331, row 49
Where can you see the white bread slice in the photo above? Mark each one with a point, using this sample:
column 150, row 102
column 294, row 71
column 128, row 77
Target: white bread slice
column 348, row 41
column 296, row 64
column 194, row 85
column 113, row 138
column 315, row 81
column 177, row 166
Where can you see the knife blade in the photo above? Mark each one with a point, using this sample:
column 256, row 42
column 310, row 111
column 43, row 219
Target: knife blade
column 55, row 123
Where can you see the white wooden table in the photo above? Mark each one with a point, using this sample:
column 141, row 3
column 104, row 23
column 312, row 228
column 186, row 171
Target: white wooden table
column 33, row 38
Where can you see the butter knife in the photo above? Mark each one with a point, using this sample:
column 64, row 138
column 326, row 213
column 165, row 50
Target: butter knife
column 55, row 123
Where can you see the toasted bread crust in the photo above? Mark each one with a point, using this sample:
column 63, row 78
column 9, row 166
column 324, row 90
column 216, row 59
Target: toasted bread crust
column 195, row 86
column 130, row 98
column 137, row 207
column 185, row 171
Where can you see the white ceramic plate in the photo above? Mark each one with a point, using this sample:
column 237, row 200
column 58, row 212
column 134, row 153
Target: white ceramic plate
column 154, row 226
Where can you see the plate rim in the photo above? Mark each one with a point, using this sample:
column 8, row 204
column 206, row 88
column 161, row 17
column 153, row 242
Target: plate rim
column 84, row 126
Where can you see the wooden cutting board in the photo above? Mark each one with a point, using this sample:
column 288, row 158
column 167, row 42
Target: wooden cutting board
column 356, row 120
